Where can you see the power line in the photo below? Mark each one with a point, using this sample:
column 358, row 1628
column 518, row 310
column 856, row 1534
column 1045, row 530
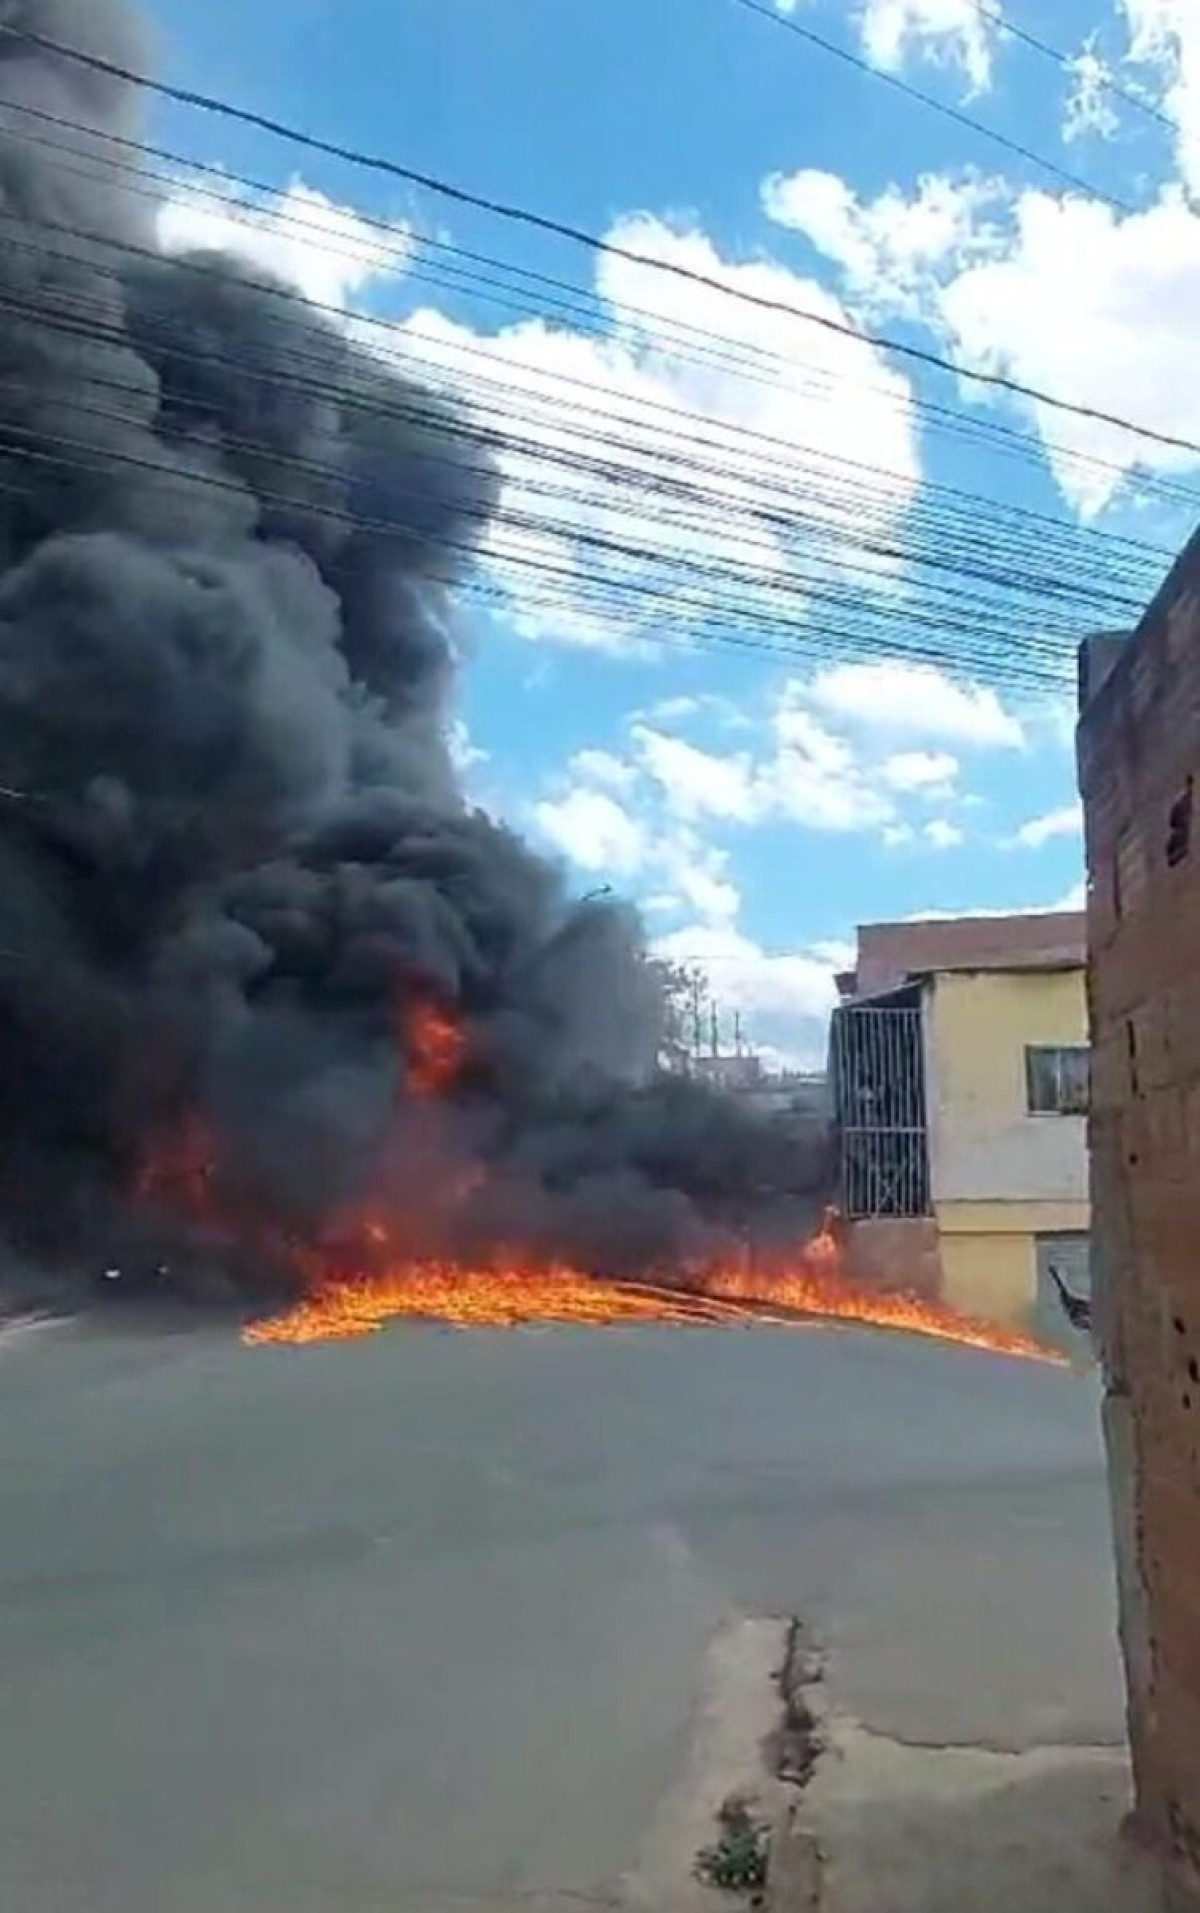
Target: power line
column 966, row 557
column 954, row 113
column 723, row 438
column 563, row 229
column 33, row 446
column 810, row 647
column 875, row 622
column 812, row 642
column 1067, row 61
column 521, row 525
column 993, row 433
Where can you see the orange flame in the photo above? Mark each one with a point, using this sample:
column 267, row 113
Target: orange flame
column 814, row 1285
column 342, row 1302
column 342, row 1307
column 372, row 1272
column 437, row 1049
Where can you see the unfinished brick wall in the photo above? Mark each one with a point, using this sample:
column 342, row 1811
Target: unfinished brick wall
column 1139, row 765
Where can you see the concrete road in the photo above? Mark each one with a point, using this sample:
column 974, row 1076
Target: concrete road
column 419, row 1620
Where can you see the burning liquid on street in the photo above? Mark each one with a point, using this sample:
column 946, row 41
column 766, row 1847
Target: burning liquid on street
column 368, row 1271
column 343, row 1307
column 341, row 1302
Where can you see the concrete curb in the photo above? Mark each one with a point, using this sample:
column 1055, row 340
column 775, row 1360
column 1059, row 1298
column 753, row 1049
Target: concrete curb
column 796, row 1874
column 733, row 1745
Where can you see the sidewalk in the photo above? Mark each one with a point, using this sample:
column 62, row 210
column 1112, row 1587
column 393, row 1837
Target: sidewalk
column 885, row 1828
column 863, row 1821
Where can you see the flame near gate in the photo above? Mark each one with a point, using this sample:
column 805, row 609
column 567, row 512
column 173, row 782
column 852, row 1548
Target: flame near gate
column 343, row 1301
column 246, row 895
column 365, row 1272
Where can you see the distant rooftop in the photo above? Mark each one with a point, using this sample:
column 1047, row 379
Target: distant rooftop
column 889, row 954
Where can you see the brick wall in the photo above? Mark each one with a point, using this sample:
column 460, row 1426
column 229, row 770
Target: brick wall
column 1139, row 750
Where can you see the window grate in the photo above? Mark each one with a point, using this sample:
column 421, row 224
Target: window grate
column 879, row 1108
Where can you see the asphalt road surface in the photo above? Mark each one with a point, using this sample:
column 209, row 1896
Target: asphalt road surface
column 418, row 1621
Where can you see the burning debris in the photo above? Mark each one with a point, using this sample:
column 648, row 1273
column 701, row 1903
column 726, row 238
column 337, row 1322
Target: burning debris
column 273, row 997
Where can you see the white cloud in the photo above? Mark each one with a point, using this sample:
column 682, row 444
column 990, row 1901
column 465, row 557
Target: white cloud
column 1067, row 821
column 930, row 771
column 700, row 874
column 1090, row 110
column 636, row 462
column 649, row 815
column 942, row 834
column 465, row 753
column 640, row 836
column 1065, row 295
column 814, row 777
column 1073, row 898
column 784, row 998
column 709, row 704
column 594, row 831
column 840, row 953
column 601, row 767
column 1099, row 309
column 330, row 253
column 895, row 697
column 698, row 783
column 802, row 773
column 949, row 31
column 661, row 818
column 896, row 836
column 669, row 709
column 891, row 249
column 1164, row 36
column 954, row 31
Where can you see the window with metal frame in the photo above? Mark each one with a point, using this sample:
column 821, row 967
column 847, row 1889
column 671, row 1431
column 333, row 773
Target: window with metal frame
column 1057, row 1079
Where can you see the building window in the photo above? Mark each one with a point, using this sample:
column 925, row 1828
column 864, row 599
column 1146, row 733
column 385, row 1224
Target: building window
column 1056, row 1080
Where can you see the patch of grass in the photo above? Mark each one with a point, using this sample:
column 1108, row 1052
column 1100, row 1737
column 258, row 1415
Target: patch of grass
column 737, row 1861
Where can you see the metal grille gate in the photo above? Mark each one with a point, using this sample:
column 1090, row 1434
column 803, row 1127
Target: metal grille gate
column 878, row 1079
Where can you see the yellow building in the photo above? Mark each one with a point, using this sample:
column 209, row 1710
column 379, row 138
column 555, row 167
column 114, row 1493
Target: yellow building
column 960, row 1074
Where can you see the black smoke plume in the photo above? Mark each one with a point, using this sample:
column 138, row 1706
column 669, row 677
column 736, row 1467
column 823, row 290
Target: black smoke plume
column 233, row 850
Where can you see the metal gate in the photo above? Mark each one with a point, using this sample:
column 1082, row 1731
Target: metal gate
column 879, row 1107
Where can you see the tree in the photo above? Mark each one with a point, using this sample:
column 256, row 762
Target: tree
column 684, row 995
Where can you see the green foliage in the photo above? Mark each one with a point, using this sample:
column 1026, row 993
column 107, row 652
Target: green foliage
column 737, row 1861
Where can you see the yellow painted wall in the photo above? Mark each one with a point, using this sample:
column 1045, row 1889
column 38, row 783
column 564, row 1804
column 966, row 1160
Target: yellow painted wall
column 993, row 1276
column 985, row 1146
column 1012, row 1218
column 988, row 1254
column 999, row 1175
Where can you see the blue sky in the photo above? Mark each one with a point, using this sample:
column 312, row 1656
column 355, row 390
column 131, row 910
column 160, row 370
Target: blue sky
column 756, row 806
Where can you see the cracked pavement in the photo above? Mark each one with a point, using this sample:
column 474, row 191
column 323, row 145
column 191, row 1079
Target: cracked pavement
column 420, row 1621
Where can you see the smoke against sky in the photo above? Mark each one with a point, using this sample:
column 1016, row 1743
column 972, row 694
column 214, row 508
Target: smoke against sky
column 236, row 862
